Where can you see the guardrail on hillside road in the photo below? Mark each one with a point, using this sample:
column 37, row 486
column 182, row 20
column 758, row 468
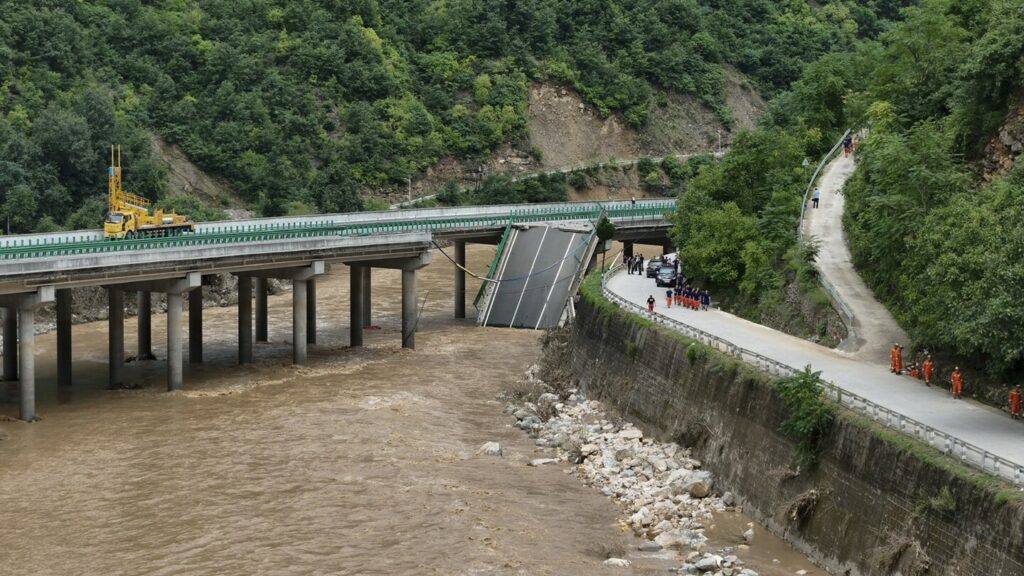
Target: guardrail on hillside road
column 965, row 452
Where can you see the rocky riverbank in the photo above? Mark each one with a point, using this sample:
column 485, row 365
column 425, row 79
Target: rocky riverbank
column 667, row 499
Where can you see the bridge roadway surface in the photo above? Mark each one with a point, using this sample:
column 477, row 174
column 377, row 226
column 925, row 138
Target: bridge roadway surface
column 966, row 420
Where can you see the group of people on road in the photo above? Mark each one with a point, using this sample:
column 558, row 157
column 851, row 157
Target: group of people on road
column 925, row 370
column 685, row 296
column 850, row 144
column 634, row 264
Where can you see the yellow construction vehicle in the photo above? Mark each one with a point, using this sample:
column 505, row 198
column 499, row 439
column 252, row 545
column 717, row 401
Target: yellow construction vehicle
column 129, row 216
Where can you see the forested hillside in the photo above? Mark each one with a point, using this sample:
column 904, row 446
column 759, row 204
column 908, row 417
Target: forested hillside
column 937, row 236
column 301, row 104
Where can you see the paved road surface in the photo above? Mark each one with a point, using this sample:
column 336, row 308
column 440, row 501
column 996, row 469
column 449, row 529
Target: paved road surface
column 874, row 330
column 969, row 421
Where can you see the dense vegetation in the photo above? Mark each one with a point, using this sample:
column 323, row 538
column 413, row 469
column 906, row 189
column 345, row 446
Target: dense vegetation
column 302, row 104
column 938, row 244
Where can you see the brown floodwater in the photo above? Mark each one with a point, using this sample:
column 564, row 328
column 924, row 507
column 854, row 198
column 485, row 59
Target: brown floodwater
column 360, row 462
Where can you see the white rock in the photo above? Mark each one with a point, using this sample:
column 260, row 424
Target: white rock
column 617, row 562
column 489, row 449
column 643, row 517
column 663, row 526
column 631, row 434
column 709, row 563
column 542, row 461
column 588, row 449
column 749, row 535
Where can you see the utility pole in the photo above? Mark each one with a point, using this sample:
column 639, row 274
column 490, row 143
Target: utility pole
column 408, row 181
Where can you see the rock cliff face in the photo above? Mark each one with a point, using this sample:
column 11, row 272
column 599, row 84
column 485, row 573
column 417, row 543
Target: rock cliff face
column 875, row 504
column 1005, row 147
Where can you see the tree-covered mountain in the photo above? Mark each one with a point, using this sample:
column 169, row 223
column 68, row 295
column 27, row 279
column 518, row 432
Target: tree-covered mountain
column 311, row 101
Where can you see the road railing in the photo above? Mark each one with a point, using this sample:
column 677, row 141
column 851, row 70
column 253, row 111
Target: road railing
column 967, row 453
column 472, row 218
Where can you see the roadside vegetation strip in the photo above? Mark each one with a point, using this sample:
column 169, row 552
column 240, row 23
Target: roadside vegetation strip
column 595, row 289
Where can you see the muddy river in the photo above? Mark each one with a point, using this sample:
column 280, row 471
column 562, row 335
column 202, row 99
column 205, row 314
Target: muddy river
column 361, row 462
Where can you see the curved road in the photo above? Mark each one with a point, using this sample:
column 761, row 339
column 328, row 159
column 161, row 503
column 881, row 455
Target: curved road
column 873, row 330
column 861, row 366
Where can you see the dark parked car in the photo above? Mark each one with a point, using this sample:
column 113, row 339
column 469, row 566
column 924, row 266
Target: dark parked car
column 666, row 276
column 653, row 265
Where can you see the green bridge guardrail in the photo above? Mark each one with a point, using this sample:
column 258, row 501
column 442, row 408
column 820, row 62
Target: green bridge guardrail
column 326, row 228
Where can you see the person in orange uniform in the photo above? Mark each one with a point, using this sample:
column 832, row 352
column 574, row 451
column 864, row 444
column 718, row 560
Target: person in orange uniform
column 899, row 359
column 892, row 358
column 1015, row 402
column 929, row 371
column 915, row 371
column 957, row 380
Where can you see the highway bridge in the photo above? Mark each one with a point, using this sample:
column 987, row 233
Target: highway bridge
column 38, row 269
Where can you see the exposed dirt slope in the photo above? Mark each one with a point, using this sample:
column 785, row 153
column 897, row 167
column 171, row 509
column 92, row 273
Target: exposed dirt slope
column 568, row 132
column 184, row 177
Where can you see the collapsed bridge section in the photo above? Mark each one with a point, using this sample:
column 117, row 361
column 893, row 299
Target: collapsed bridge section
column 535, row 273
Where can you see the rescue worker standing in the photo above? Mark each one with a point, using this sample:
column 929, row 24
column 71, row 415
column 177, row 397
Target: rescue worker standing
column 650, row 304
column 929, row 371
column 1015, row 402
column 892, row 358
column 957, row 381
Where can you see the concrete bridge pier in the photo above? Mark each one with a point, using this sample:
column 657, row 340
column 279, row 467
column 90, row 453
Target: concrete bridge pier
column 409, row 319
column 311, row 311
column 260, row 286
column 460, row 278
column 11, row 343
column 244, row 319
column 175, row 289
column 627, row 249
column 367, row 274
column 195, row 326
column 25, row 306
column 301, row 315
column 115, row 337
column 145, row 326
column 64, row 302
column 357, row 299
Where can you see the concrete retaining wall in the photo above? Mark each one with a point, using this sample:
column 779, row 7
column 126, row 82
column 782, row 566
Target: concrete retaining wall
column 875, row 504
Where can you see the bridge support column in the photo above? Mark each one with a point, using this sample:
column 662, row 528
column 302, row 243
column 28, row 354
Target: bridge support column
column 23, row 308
column 115, row 335
column 460, row 279
column 409, row 319
column 27, row 355
column 261, row 309
column 299, row 318
column 356, row 308
column 245, row 319
column 64, row 337
column 175, row 305
column 311, row 311
column 367, row 299
column 145, row 325
column 195, row 326
column 11, row 343
column 667, row 247
column 627, row 249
